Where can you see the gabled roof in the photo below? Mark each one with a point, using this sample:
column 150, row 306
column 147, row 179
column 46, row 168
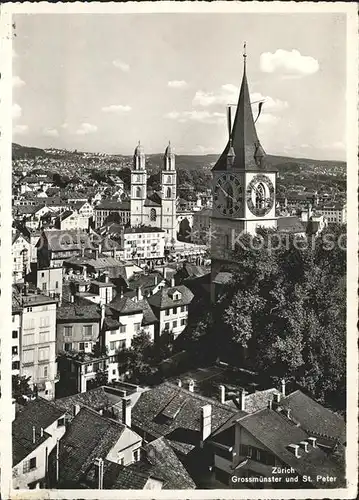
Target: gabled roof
column 67, row 239
column 89, row 436
column 124, row 305
column 149, row 317
column 96, row 399
column 314, row 417
column 163, row 300
column 249, row 154
column 113, row 205
column 183, row 430
column 39, row 414
column 276, row 433
column 74, row 312
column 223, row 278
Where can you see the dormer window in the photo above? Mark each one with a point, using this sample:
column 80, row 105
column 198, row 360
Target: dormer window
column 175, row 295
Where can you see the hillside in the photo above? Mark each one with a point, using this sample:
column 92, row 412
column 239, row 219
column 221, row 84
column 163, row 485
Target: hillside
column 188, row 162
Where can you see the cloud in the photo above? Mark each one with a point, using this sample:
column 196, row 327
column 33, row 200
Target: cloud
column 290, row 64
column 228, row 94
column 16, row 111
column 121, row 65
column 64, row 125
column 17, row 82
column 50, row 132
column 267, row 118
column 86, row 128
column 203, row 150
column 20, row 129
column 212, row 118
column 177, row 84
column 117, row 108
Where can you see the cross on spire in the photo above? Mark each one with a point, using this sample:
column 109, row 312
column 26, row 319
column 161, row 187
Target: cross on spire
column 245, row 52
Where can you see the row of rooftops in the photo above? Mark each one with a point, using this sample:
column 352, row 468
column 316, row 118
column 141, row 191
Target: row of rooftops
column 292, row 430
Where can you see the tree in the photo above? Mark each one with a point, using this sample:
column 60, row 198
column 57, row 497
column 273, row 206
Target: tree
column 286, row 306
column 138, row 360
column 21, row 387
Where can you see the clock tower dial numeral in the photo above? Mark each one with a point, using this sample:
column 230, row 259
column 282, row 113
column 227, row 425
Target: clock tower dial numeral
column 227, row 194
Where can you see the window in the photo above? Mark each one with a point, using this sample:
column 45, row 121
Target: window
column 61, row 422
column 122, row 344
column 13, row 319
column 28, row 356
column 68, row 346
column 14, row 334
column 29, row 465
column 122, row 328
column 175, row 310
column 167, row 326
column 67, row 331
column 45, row 321
column 42, row 275
column 81, row 346
column 44, row 353
column 112, row 346
column 15, row 365
column 137, row 327
column 121, row 461
column 167, row 312
column 153, row 214
column 45, row 371
column 174, row 324
column 138, row 192
column 88, row 330
column 44, row 287
column 114, row 371
column 183, row 308
column 56, row 284
column 183, row 322
column 168, row 193
column 136, row 455
column 15, row 350
column 29, row 324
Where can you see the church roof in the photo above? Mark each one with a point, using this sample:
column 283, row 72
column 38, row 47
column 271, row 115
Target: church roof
column 249, row 154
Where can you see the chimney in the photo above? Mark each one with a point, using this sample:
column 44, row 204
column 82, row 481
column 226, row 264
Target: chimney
column 206, row 422
column 179, row 383
column 139, row 294
column 99, row 463
column 294, row 448
column 113, row 253
column 313, row 441
column 304, row 445
column 222, row 394
column 156, row 279
column 191, row 385
column 172, row 282
column 76, row 409
column 96, row 253
column 107, row 279
column 33, row 434
column 126, row 411
column 283, row 387
column 277, row 397
column 243, row 400
column 41, row 431
column 103, row 314
column 270, row 403
column 82, row 251
column 164, row 272
column 289, row 411
column 72, row 299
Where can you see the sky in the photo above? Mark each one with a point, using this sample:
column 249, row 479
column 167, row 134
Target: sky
column 101, row 83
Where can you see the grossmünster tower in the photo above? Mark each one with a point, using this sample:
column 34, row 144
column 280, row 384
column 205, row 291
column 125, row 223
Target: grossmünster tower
column 244, row 184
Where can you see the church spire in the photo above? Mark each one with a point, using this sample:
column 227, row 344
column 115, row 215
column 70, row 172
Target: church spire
column 249, row 154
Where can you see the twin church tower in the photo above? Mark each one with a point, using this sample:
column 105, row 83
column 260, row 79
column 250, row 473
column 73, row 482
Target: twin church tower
column 157, row 209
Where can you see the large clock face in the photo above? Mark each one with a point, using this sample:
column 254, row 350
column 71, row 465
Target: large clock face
column 227, row 195
column 260, row 195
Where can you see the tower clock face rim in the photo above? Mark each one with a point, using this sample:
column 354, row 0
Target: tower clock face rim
column 269, row 202
column 220, row 191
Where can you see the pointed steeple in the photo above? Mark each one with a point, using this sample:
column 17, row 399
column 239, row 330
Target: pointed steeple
column 249, row 154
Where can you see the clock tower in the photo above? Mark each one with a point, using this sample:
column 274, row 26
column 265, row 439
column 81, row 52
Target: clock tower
column 244, row 184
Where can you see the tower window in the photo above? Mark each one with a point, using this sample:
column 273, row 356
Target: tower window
column 138, row 192
column 168, row 193
column 169, row 180
column 153, row 214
